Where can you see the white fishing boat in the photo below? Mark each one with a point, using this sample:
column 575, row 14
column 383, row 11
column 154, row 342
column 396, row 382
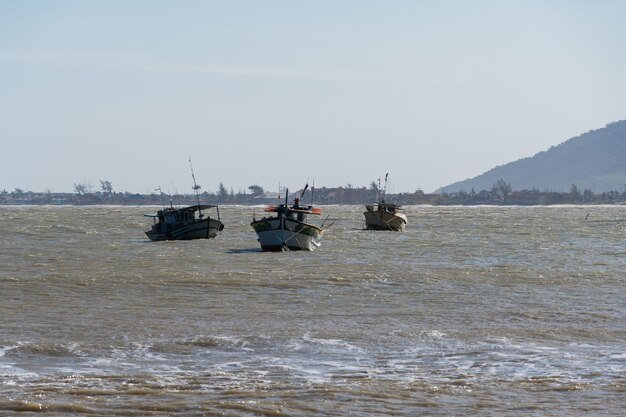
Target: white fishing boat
column 381, row 215
column 288, row 228
column 182, row 223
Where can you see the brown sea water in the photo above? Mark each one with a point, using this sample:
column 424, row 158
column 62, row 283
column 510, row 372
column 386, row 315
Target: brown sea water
column 486, row 311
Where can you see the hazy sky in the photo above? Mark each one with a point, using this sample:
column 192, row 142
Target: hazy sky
column 269, row 92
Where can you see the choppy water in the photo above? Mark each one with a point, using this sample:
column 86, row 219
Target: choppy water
column 470, row 311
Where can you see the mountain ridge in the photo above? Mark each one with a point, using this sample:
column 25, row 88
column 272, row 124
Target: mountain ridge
column 595, row 160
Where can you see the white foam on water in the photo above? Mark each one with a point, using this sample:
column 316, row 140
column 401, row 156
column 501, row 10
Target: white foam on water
column 11, row 370
column 448, row 359
column 339, row 344
column 618, row 356
column 436, row 334
column 434, row 356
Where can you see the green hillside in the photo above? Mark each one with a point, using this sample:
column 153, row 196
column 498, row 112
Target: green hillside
column 595, row 160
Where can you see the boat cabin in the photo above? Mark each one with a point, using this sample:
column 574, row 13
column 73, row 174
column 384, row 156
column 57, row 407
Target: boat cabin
column 171, row 215
column 382, row 206
column 294, row 212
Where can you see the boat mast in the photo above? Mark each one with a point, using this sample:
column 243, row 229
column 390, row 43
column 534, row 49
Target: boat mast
column 161, row 194
column 196, row 187
column 304, row 189
column 384, row 192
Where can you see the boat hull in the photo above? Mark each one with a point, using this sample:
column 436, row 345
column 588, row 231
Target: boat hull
column 198, row 229
column 276, row 234
column 383, row 220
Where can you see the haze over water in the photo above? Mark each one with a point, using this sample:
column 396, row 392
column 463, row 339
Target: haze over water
column 471, row 311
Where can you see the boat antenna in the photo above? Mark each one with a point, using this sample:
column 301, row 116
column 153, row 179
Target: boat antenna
column 196, row 187
column 312, row 189
column 286, row 200
column 385, row 189
column 161, row 194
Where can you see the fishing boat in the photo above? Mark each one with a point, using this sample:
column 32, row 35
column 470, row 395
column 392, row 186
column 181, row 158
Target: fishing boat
column 288, row 229
column 185, row 223
column 381, row 215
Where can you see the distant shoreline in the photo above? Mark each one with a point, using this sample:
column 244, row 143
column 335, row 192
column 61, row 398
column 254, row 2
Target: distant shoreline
column 324, row 196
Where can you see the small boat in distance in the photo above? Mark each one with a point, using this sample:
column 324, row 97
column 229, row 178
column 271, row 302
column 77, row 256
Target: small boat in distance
column 384, row 216
column 288, row 229
column 381, row 215
column 182, row 223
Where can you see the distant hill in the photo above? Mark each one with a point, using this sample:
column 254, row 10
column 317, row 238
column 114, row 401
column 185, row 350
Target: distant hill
column 595, row 160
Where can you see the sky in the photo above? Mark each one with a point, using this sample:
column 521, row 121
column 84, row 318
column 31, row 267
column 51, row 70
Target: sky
column 283, row 92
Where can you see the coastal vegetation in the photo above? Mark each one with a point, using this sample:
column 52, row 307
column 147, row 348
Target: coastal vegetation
column 500, row 193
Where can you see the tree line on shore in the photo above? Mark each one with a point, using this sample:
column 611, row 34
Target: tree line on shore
column 501, row 193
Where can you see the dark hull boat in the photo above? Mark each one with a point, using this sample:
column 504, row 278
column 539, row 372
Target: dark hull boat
column 182, row 224
column 185, row 223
